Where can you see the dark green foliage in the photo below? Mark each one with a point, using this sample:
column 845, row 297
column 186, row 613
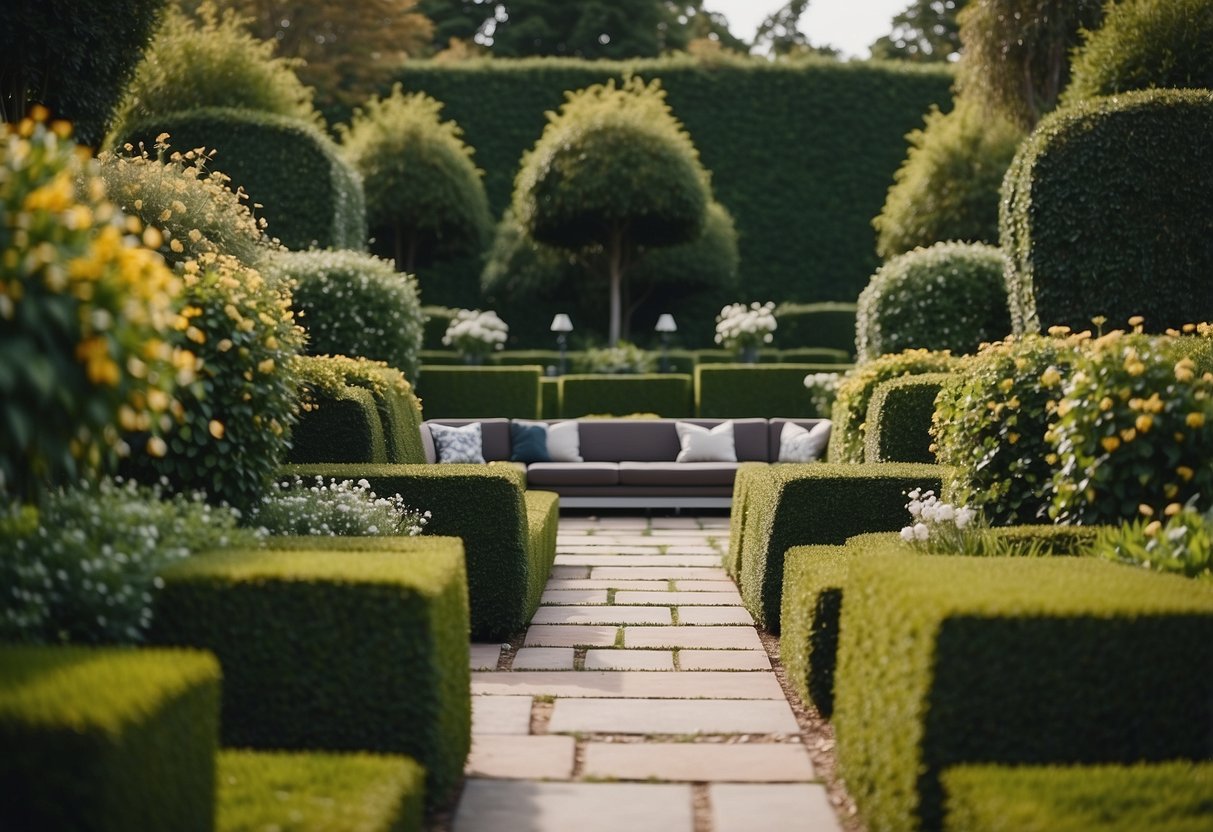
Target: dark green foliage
column 899, row 419
column 361, row 644
column 486, row 506
column 543, row 518
column 726, row 391
column 815, row 355
column 309, row 195
column 479, row 392
column 549, row 397
column 443, row 357
column 1145, row 44
column 437, row 319
column 111, row 740
column 765, row 356
column 74, row 56
column 319, row 792
column 829, row 324
column 1022, row 661
column 515, row 358
column 950, row 296
column 814, row 503
column 926, row 31
column 339, row 426
column 807, row 199
column 1161, row 797
column 812, row 604
column 668, row 395
column 1080, row 193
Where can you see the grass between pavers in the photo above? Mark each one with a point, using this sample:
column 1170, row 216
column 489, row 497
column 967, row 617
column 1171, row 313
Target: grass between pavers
column 107, row 739
column 1159, row 797
column 945, row 661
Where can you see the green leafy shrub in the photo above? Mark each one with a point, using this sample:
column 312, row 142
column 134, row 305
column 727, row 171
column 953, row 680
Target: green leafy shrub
column 622, row 359
column 437, row 319
column 951, row 296
column 1073, row 211
column 83, row 307
column 478, row 392
column 899, row 419
column 83, row 569
column 854, row 395
column 1144, row 44
column 335, row 508
column 945, row 661
column 829, row 324
column 130, row 736
column 363, row 652
column 1182, row 544
column 948, row 186
column 724, row 391
column 355, row 305
column 668, row 395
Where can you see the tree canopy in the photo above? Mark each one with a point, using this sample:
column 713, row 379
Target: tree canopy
column 926, row 31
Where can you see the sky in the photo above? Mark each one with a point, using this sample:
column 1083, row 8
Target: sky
column 850, row 25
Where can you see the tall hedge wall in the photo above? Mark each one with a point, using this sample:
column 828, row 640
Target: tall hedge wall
column 800, row 154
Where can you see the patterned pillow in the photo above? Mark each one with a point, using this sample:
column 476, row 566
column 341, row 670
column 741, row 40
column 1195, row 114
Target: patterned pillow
column 458, row 444
column 796, row 444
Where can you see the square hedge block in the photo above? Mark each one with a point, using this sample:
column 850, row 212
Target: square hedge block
column 480, row 392
column 811, row 607
column 727, row 391
column 666, row 395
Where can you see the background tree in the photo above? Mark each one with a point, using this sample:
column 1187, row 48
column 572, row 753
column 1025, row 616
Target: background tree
column 74, row 56
column 421, row 183
column 926, row 31
column 779, row 34
column 614, row 169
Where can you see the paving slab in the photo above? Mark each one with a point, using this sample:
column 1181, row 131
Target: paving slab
column 569, row 572
column 547, row 757
column 606, row 548
column 484, row 656
column 568, row 635
column 745, row 808
column 544, row 658
column 700, row 762
column 566, row 584
column 615, row 523
column 603, row 684
column 705, row 586
column 629, row 660
column 681, row 598
column 653, row 560
column 707, row 616
column 676, row 523
column 663, row 573
column 602, row 615
column 574, row 596
column 672, row 716
column 693, row 636
column 501, row 715
column 723, row 660
column 519, row 806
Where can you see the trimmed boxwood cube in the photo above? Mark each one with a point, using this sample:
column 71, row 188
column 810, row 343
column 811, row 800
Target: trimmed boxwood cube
column 107, row 739
column 319, row 792
column 549, row 396
column 727, row 391
column 799, row 504
column 341, row 426
column 899, row 419
column 521, row 358
column 480, row 392
column 737, row 515
column 668, row 395
column 765, row 356
column 339, row 644
column 1159, row 797
column 542, row 519
column 945, row 661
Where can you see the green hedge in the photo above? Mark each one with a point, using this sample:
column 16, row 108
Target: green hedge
column 437, row 319
column 899, row 419
column 815, row 355
column 109, row 739
column 549, row 398
column 669, row 395
column 737, row 515
column 480, row 392
column 1159, row 797
column 310, row 196
column 339, row 644
column 765, row 356
column 727, row 391
column 444, row 358
column 515, row 358
column 485, row 505
column 803, row 207
column 799, row 504
column 1105, row 212
column 542, row 521
column 945, row 661
column 829, row 324
column 319, row 792
column 339, row 426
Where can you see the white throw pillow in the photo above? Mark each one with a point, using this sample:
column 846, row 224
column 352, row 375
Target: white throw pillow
column 703, row 445
column 797, row 444
column 564, row 442
column 463, row 444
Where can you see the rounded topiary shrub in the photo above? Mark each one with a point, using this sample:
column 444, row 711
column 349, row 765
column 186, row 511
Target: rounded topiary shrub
column 355, row 304
column 951, row 296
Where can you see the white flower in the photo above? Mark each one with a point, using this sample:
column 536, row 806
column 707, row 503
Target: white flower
column 944, row 513
column 915, row 508
column 964, row 516
column 907, row 533
column 921, row 532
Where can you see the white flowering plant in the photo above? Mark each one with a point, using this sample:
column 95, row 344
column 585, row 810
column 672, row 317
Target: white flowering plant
column 335, row 508
column 739, row 326
column 937, row 523
column 476, row 333
column 823, row 389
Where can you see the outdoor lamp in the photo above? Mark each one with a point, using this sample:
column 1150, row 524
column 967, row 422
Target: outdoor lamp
column 562, row 325
column 665, row 326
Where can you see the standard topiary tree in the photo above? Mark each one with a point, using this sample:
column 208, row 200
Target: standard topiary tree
column 614, row 169
column 419, row 177
column 1144, row 44
column 950, row 296
column 947, row 188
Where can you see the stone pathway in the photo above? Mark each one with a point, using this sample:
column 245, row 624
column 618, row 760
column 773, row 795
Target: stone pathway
column 640, row 699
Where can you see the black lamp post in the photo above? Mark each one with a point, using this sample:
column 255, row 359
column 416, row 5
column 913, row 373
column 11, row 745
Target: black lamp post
column 666, row 327
column 562, row 325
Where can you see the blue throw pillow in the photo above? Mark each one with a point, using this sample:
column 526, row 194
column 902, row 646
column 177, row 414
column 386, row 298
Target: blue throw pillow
column 529, row 442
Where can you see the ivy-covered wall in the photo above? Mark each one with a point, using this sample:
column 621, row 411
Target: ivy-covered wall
column 801, row 154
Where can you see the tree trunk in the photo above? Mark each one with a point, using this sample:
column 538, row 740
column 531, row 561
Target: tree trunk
column 615, row 266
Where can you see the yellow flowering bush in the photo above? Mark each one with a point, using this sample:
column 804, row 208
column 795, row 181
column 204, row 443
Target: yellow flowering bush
column 1180, row 542
column 82, row 307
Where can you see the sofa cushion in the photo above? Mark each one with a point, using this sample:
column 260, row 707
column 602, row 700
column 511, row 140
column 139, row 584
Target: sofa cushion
column 774, row 432
column 458, row 444
column 573, row 473
column 529, row 442
column 677, row 473
column 564, row 441
column 797, row 444
column 495, row 435
column 705, row 444
column 656, row 440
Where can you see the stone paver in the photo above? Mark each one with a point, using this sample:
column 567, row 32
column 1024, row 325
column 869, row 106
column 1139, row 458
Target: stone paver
column 700, row 762
column 484, row 656
column 662, row 573
column 629, row 660
column 723, row 660
column 544, row 658
column 574, row 596
column 565, row 585
column 651, row 561
column 695, row 636
column 565, row 635
column 519, row 806
column 672, row 716
column 714, row 615
column 501, row 715
column 745, row 808
column 622, row 684
column 569, row 572
column 704, row 586
column 602, row 615
column 651, row 550
column 521, row 758
column 679, row 523
column 680, row 598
